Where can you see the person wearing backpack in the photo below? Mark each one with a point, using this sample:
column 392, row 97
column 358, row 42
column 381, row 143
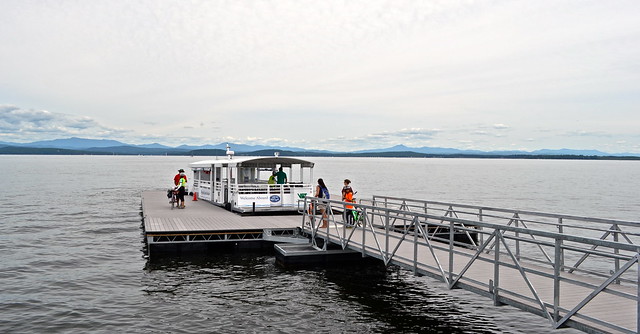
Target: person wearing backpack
column 181, row 188
column 322, row 192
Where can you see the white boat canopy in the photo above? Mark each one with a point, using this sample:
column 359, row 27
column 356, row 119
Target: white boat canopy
column 260, row 162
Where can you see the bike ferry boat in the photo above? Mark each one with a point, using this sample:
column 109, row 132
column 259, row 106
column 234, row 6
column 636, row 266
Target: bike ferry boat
column 241, row 183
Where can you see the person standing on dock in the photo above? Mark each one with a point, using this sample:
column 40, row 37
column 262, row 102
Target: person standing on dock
column 176, row 179
column 281, row 176
column 347, row 196
column 322, row 192
column 181, row 185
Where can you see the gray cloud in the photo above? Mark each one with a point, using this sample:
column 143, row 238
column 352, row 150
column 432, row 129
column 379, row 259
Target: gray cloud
column 407, row 134
column 414, row 137
column 584, row 133
column 17, row 124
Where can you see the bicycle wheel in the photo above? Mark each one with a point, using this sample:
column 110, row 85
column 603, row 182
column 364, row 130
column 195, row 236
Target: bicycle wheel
column 357, row 218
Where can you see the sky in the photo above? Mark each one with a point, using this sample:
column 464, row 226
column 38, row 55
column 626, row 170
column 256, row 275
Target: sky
column 335, row 75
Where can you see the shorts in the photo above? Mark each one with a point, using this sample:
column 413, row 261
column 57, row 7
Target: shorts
column 181, row 192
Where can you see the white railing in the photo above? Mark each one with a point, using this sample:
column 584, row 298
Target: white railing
column 267, row 195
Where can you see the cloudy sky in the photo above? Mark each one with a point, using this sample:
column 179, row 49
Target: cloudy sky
column 342, row 75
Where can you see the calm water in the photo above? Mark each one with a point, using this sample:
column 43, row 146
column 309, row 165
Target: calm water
column 72, row 262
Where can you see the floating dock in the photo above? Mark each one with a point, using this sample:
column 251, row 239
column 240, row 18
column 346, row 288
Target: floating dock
column 202, row 223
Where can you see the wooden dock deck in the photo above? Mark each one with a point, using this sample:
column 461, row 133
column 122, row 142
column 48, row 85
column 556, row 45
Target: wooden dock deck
column 202, row 221
column 202, row 216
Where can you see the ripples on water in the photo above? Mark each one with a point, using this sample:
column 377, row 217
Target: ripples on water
column 72, row 249
column 249, row 292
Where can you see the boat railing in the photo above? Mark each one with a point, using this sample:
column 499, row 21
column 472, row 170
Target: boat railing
column 263, row 188
column 561, row 249
column 200, row 183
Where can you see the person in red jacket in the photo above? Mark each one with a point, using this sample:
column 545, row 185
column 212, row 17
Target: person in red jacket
column 180, row 186
column 181, row 174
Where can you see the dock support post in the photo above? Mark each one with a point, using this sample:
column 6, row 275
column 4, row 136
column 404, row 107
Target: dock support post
column 149, row 242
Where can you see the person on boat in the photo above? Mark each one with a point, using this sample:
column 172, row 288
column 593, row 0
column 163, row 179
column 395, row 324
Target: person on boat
column 322, row 192
column 181, row 188
column 347, row 196
column 281, row 176
column 176, row 179
column 272, row 178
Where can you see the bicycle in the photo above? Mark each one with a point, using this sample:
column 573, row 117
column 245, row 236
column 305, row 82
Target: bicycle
column 173, row 197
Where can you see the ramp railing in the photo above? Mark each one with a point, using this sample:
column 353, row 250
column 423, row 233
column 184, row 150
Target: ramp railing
column 561, row 267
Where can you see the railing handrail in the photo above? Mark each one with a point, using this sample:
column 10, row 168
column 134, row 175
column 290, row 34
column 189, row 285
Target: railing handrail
column 528, row 212
column 494, row 226
column 273, row 185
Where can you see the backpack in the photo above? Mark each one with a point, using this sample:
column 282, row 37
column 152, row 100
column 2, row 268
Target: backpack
column 325, row 193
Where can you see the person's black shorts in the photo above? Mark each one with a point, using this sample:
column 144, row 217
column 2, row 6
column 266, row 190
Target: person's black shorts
column 181, row 192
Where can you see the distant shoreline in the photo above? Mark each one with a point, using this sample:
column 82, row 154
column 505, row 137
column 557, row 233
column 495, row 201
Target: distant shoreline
column 12, row 150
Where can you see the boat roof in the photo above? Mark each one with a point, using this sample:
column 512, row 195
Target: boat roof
column 266, row 162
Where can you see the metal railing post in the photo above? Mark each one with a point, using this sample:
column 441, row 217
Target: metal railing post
column 386, row 234
column 364, row 230
column 561, row 231
column 451, row 235
column 481, row 229
column 496, row 270
column 518, row 239
column 556, row 280
column 416, row 221
column 616, row 250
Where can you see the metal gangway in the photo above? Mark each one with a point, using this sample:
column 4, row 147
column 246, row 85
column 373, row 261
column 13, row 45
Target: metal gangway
column 574, row 271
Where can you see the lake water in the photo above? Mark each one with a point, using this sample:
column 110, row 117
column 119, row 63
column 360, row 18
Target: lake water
column 72, row 250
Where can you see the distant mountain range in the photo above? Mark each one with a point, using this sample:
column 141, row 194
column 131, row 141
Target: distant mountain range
column 440, row 150
column 79, row 146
